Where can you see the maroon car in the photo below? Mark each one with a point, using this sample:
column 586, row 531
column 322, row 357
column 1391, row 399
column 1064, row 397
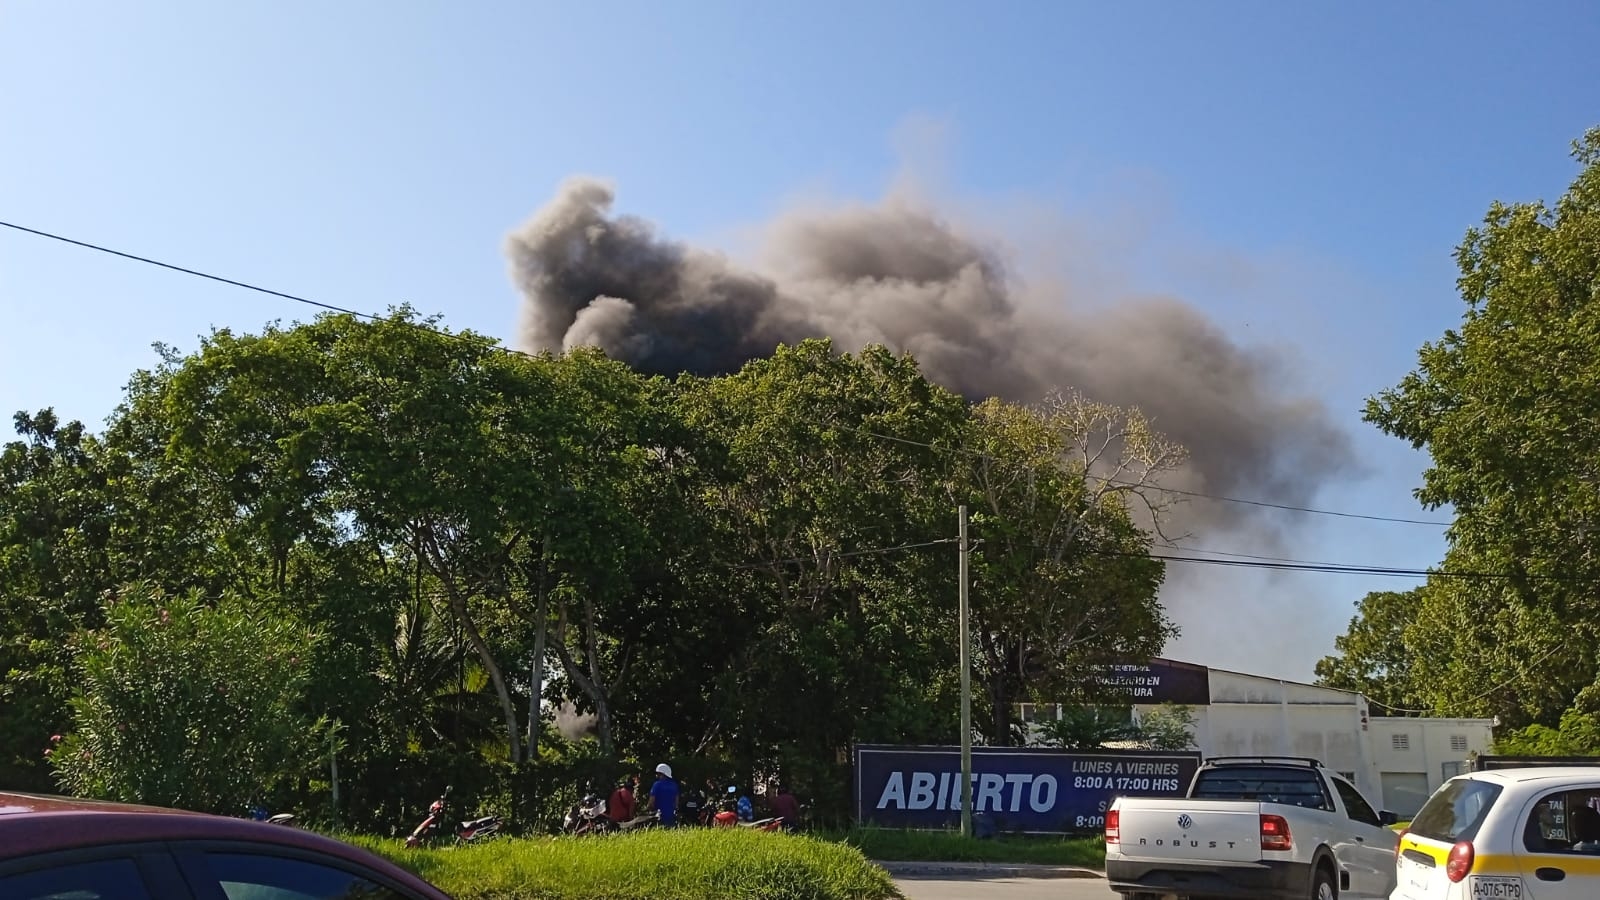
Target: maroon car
column 54, row 848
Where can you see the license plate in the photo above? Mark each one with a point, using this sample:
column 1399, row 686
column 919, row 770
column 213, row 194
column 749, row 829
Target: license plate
column 1494, row 887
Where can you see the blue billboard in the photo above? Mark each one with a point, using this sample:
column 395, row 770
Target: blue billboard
column 1026, row 789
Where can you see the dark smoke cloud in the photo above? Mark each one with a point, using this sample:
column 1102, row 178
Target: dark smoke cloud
column 894, row 273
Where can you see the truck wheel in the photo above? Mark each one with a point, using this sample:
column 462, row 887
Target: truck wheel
column 1323, row 887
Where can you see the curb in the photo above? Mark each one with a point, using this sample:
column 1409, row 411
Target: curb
column 900, row 869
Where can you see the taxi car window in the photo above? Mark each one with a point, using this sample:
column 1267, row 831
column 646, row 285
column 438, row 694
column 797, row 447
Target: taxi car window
column 250, row 876
column 1456, row 811
column 1355, row 805
column 1291, row 785
column 1564, row 822
column 102, row 879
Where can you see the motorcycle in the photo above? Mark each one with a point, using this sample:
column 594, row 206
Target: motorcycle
column 739, row 812
column 468, row 832
column 259, row 813
column 589, row 816
column 693, row 808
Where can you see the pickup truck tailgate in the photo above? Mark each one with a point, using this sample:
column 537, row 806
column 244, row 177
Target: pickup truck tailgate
column 1178, row 829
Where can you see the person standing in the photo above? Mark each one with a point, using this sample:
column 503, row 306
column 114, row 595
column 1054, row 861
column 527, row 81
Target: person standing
column 784, row 804
column 620, row 808
column 664, row 796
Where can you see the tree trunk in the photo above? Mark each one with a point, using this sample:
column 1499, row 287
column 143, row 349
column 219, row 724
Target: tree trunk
column 458, row 606
column 602, row 707
column 541, row 617
column 994, row 673
column 590, row 682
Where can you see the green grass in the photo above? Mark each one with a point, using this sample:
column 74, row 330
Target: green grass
column 678, row 864
column 949, row 846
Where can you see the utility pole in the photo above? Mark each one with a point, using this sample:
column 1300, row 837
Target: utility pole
column 966, row 689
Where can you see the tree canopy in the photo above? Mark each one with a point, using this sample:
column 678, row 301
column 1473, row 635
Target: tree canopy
column 756, row 568
column 1507, row 407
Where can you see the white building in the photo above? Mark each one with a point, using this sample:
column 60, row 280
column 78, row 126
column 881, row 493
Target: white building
column 1396, row 762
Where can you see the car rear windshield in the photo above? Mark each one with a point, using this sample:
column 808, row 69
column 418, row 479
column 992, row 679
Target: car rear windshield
column 1455, row 811
column 1292, row 785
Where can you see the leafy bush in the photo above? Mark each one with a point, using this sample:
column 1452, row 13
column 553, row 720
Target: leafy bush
column 187, row 704
column 677, row 864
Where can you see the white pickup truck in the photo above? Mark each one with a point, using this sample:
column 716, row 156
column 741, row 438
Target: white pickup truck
column 1273, row 828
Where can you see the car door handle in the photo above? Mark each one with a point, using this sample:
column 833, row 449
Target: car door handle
column 1549, row 873
column 1360, row 839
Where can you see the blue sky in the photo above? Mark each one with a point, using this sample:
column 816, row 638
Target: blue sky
column 1301, row 171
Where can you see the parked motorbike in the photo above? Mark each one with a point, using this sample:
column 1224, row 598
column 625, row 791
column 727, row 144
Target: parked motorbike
column 738, row 812
column 260, row 814
column 693, row 808
column 589, row 816
column 468, row 832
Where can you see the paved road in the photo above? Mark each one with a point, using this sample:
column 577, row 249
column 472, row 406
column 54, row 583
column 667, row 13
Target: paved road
column 953, row 887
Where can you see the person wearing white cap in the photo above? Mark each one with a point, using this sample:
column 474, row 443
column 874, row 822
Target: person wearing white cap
column 664, row 796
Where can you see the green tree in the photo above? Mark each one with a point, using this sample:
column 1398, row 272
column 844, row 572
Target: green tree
column 1578, row 735
column 1062, row 581
column 1506, row 406
column 187, row 704
column 1371, row 657
column 1088, row 727
column 827, row 489
column 1169, row 726
column 58, row 547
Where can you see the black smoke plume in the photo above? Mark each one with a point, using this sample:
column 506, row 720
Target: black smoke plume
column 895, row 273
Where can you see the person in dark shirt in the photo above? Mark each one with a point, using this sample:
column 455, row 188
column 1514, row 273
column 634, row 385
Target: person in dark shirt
column 784, row 804
column 664, row 796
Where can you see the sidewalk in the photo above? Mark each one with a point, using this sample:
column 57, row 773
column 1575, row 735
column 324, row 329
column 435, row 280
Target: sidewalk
column 981, row 870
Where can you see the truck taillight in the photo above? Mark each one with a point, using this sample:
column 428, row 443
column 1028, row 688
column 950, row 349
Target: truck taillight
column 1275, row 833
column 1114, row 827
column 1399, row 839
column 1459, row 862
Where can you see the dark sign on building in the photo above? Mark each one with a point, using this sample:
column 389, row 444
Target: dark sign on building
column 1020, row 789
column 1158, row 681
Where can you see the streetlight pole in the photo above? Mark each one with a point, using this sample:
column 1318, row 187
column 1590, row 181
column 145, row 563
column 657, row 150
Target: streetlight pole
column 966, row 689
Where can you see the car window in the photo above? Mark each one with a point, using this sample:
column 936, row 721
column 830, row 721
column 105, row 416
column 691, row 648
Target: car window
column 1456, row 811
column 249, row 876
column 102, row 879
column 1292, row 785
column 1564, row 822
column 1355, row 805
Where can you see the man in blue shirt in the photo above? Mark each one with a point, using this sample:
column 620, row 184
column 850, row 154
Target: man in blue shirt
column 664, row 796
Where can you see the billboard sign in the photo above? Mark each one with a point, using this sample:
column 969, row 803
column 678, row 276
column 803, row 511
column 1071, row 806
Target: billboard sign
column 1158, row 681
column 1020, row 789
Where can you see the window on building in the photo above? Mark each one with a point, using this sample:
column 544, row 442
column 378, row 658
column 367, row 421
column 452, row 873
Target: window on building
column 1458, row 743
column 1400, row 741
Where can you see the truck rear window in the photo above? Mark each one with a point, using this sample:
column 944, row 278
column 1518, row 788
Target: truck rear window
column 1291, row 785
column 1455, row 811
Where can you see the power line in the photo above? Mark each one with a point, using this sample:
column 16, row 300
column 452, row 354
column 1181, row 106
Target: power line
column 500, row 347
column 486, row 343
column 845, row 554
column 1475, row 698
column 1332, row 568
column 1172, row 490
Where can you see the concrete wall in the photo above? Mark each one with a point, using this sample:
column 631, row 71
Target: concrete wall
column 1250, row 715
column 1427, row 750
column 1254, row 716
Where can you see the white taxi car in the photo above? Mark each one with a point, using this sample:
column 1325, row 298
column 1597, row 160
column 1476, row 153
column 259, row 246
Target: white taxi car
column 1506, row 834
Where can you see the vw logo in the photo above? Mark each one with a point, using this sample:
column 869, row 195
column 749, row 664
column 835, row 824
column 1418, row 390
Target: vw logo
column 1185, row 822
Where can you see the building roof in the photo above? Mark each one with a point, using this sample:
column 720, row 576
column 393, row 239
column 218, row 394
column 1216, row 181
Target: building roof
column 1320, row 687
